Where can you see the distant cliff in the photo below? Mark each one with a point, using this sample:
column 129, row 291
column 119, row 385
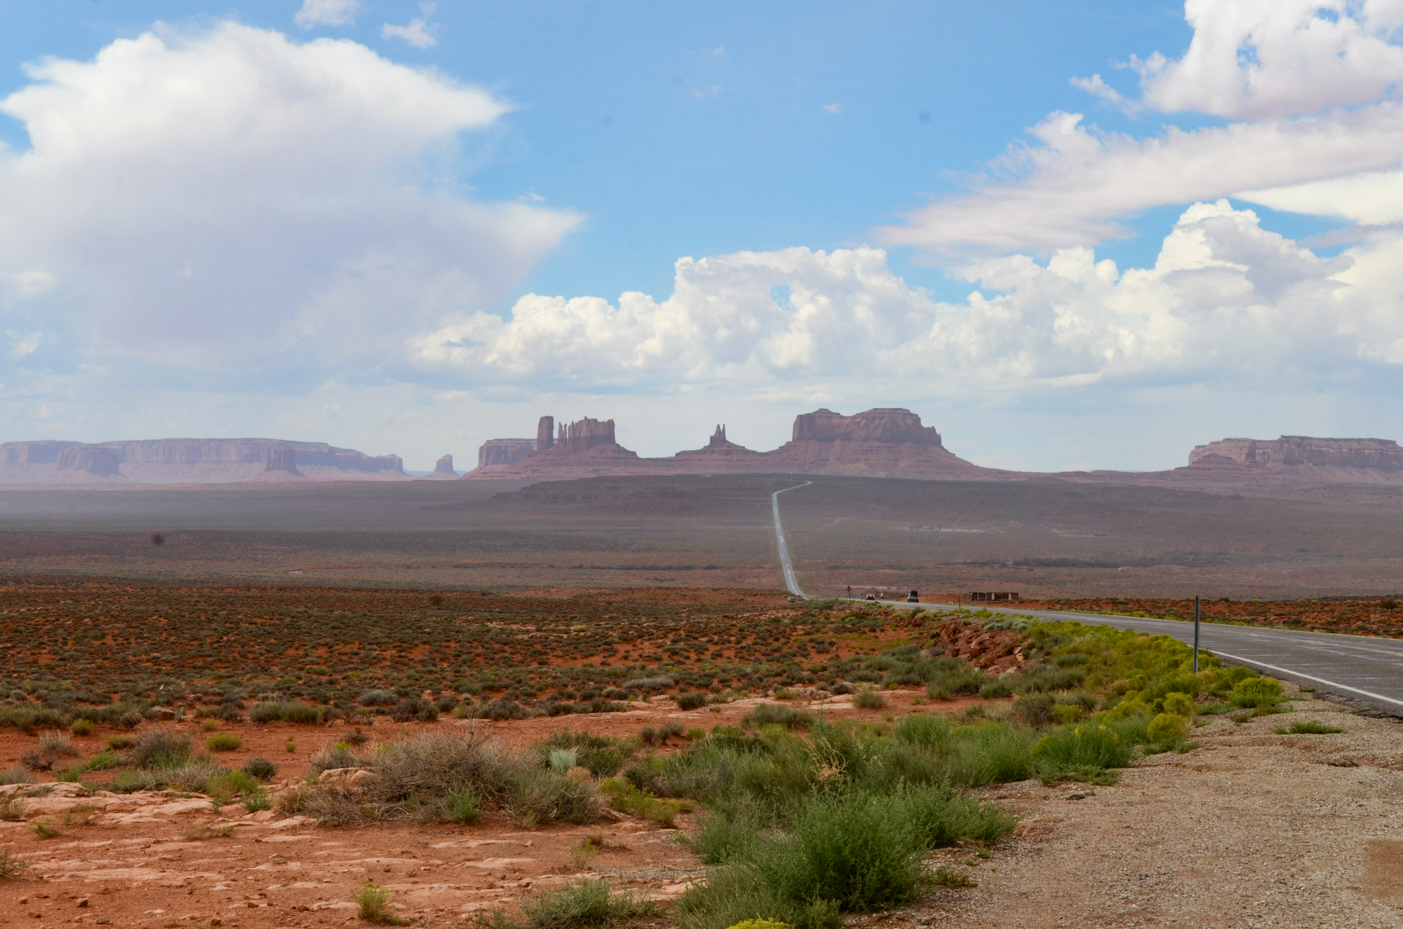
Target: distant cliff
column 1295, row 450
column 160, row 461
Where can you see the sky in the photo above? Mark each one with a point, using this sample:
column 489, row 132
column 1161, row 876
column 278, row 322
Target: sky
column 1068, row 235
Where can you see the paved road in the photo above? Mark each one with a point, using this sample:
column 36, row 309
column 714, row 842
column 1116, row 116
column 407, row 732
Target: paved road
column 790, row 580
column 1360, row 667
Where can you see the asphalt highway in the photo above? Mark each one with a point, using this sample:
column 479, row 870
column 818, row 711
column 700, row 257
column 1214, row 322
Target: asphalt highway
column 790, row 580
column 1363, row 668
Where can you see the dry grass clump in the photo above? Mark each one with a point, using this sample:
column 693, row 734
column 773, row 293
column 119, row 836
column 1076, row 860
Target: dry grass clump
column 443, row 778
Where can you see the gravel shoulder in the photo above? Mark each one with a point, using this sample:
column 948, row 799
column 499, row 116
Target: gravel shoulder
column 1250, row 829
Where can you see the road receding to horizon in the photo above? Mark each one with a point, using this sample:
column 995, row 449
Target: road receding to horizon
column 791, row 580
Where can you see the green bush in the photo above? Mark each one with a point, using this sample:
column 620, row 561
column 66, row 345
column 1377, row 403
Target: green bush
column 224, row 742
column 691, row 701
column 379, row 698
column 463, row 804
column 426, row 778
column 1168, row 729
column 583, row 902
column 723, row 835
column 288, row 712
column 161, row 748
column 1256, row 693
column 1080, row 751
column 260, row 768
column 1308, row 727
column 602, row 755
column 1180, row 705
column 868, row 699
column 770, row 714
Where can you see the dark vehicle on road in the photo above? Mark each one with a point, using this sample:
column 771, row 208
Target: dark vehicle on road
column 913, row 597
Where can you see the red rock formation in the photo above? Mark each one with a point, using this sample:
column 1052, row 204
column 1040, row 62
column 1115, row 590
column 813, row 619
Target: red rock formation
column 585, row 433
column 445, row 466
column 890, row 425
column 719, row 454
column 1296, row 450
column 498, row 452
column 877, row 443
column 545, row 433
column 94, row 459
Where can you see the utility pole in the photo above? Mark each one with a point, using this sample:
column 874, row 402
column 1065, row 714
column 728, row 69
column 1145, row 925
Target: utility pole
column 1198, row 615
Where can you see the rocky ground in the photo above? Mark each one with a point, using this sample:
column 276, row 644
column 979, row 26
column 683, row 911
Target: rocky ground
column 1249, row 829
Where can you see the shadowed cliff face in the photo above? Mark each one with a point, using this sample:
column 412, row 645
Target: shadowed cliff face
column 1296, row 450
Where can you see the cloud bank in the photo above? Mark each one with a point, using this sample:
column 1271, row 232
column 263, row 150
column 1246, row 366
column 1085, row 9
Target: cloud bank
column 1226, row 300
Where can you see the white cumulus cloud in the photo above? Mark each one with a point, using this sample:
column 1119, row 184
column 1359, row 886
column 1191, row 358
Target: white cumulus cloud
column 228, row 198
column 326, row 13
column 417, row 32
column 1226, row 299
column 1251, row 59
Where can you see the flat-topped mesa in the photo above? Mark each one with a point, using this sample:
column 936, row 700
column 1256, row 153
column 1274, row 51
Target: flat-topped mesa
column 1292, row 451
column 180, row 461
column 42, row 452
column 496, row 453
column 884, row 424
column 445, row 466
column 884, row 442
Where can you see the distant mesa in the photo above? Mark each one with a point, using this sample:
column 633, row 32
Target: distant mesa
column 497, row 452
column 190, row 461
column 90, row 459
column 1294, row 451
column 877, row 443
column 444, row 467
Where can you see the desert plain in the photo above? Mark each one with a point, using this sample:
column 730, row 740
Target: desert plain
column 648, row 614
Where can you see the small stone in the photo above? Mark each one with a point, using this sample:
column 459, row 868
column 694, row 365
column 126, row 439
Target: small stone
column 83, row 902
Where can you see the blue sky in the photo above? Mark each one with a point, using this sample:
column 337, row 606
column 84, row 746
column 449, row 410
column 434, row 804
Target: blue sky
column 383, row 272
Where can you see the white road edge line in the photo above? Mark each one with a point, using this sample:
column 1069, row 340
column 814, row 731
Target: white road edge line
column 1318, row 680
column 790, row 579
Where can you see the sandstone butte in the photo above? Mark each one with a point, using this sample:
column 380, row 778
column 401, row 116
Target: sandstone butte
column 877, row 443
column 885, row 442
column 892, row 442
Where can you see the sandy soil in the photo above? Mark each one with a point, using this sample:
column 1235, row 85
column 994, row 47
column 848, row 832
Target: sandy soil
column 147, row 860
column 1249, row 829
